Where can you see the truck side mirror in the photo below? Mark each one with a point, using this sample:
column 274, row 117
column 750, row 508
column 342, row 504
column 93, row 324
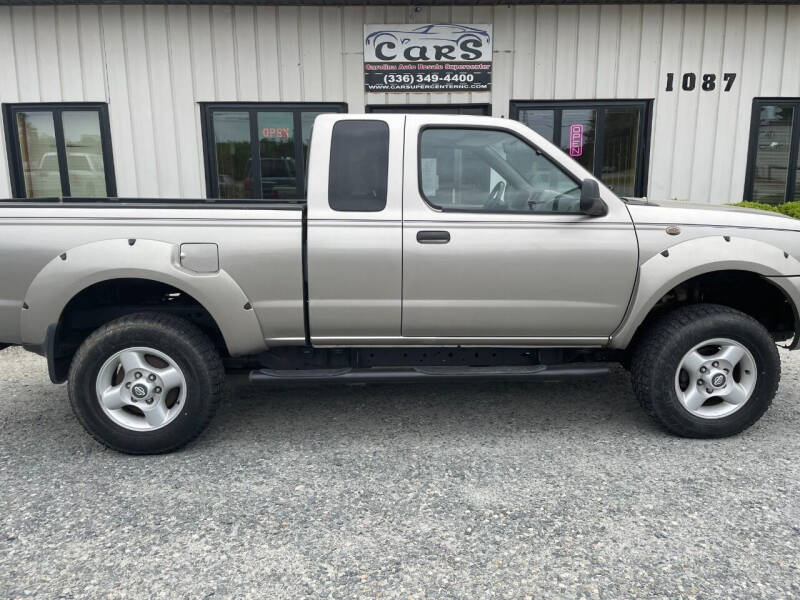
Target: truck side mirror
column 591, row 202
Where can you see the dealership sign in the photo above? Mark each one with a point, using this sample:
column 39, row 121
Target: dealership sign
column 427, row 58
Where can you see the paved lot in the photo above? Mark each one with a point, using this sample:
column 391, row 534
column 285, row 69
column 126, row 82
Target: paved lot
column 443, row 491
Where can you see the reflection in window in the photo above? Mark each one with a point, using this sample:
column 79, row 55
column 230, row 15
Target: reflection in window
column 578, row 135
column 620, row 147
column 604, row 138
column 267, row 134
column 232, row 144
column 59, row 151
column 541, row 121
column 773, row 146
column 84, row 144
column 277, row 154
column 491, row 171
column 37, row 141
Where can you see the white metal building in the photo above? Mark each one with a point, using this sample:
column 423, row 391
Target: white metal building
column 697, row 102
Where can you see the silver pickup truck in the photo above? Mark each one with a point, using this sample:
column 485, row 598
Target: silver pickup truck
column 429, row 247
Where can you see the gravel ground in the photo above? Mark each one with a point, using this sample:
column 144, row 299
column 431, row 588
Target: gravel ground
column 438, row 491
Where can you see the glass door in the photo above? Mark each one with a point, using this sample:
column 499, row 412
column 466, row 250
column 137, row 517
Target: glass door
column 609, row 139
column 773, row 169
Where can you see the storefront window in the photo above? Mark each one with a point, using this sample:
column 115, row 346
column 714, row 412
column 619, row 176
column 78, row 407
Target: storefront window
column 606, row 138
column 773, row 171
column 265, row 136
column 60, row 151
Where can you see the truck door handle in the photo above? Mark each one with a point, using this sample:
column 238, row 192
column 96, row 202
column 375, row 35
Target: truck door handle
column 433, row 237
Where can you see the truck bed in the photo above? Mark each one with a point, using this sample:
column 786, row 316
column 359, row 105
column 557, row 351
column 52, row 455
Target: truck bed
column 259, row 246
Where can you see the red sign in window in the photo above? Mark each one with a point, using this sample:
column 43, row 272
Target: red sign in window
column 576, row 140
column 275, row 132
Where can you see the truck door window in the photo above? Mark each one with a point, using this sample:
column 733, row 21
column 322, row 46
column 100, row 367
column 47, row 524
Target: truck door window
column 359, row 166
column 488, row 170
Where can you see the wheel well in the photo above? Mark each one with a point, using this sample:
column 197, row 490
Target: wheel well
column 742, row 290
column 103, row 302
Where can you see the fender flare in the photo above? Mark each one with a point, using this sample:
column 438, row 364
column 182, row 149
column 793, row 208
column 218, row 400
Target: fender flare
column 78, row 268
column 686, row 260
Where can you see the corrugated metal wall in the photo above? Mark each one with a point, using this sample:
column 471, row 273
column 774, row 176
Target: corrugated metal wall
column 153, row 64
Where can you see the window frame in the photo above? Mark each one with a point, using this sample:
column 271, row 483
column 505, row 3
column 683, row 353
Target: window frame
column 524, row 140
column 645, row 106
column 14, row 151
column 752, row 147
column 208, row 109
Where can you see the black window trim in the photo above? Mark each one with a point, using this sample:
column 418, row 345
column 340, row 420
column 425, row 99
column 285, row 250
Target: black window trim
column 14, row 151
column 420, row 108
column 640, row 184
column 752, row 146
column 207, row 110
column 524, row 140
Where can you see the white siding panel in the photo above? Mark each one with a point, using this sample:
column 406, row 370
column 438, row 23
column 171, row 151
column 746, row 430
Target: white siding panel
column 726, row 118
column 26, row 54
column 608, row 52
column 289, row 52
column 353, row 57
column 544, row 53
column 749, row 85
column 524, row 34
column 141, row 114
column 8, row 91
column 630, row 38
column 93, row 68
column 267, row 41
column 69, row 53
column 686, row 119
column 47, row 53
column 202, row 55
column 586, row 72
column 790, row 81
column 163, row 118
column 648, row 71
column 774, row 40
column 154, row 65
column 184, row 111
column 708, row 102
column 119, row 106
column 224, row 53
column 666, row 106
column 566, row 56
column 246, row 54
column 311, row 51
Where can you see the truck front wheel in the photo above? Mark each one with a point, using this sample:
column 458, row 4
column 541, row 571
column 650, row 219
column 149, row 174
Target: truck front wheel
column 146, row 383
column 706, row 371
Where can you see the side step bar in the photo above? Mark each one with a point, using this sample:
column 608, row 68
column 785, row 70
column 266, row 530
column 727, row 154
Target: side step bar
column 412, row 374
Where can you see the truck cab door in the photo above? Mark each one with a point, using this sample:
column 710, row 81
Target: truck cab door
column 354, row 229
column 496, row 248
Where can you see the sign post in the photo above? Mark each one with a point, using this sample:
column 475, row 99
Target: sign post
column 427, row 58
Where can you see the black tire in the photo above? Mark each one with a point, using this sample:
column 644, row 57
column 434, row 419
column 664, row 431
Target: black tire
column 662, row 346
column 182, row 342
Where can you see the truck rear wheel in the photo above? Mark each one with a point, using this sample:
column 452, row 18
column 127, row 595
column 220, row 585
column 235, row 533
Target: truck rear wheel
column 146, row 383
column 706, row 371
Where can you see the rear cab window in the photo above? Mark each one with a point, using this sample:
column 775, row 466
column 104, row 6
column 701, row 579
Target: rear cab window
column 359, row 166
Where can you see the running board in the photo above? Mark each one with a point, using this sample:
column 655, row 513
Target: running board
column 411, row 374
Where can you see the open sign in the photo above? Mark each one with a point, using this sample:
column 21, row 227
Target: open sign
column 575, row 140
column 275, row 132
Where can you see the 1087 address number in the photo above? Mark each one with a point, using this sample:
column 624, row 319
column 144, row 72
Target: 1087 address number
column 708, row 82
